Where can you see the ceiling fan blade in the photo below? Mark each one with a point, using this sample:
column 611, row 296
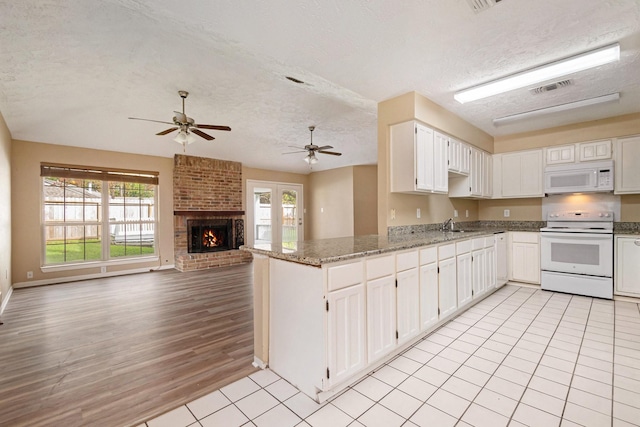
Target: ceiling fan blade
column 149, row 120
column 333, row 153
column 324, row 147
column 298, row 148
column 164, row 132
column 295, row 152
column 214, row 127
column 202, row 134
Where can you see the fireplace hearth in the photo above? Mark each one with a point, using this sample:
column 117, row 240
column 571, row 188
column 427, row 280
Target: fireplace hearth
column 210, row 235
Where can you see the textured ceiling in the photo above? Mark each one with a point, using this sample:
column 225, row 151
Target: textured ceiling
column 72, row 71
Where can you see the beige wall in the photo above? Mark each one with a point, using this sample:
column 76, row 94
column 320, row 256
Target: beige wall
column 26, row 207
column 580, row 132
column 331, row 204
column 281, row 177
column 520, row 209
column 434, row 208
column 5, row 209
column 365, row 200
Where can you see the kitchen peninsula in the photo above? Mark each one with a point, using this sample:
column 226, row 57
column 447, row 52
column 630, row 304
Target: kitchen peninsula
column 329, row 311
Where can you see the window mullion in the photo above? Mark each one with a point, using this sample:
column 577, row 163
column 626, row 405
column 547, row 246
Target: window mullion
column 104, row 223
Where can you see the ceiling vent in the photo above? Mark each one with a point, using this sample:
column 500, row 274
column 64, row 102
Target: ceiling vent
column 550, row 87
column 481, row 5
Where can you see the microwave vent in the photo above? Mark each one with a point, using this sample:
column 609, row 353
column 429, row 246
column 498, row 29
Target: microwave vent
column 550, row 87
column 482, row 5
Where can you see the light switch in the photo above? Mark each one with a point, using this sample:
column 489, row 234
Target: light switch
column 418, row 213
column 455, row 213
column 393, row 214
column 466, row 212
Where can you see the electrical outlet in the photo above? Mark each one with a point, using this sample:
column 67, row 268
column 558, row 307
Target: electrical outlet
column 507, row 213
column 455, row 213
column 29, row 274
column 321, row 210
column 418, row 213
column 466, row 213
column 103, row 270
column 393, row 214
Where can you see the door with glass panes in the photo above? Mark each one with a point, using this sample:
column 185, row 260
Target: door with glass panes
column 274, row 214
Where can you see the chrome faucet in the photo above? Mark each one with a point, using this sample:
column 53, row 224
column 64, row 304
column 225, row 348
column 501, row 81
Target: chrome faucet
column 448, row 223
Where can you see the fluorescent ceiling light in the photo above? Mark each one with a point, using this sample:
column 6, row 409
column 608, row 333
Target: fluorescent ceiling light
column 550, row 71
column 557, row 108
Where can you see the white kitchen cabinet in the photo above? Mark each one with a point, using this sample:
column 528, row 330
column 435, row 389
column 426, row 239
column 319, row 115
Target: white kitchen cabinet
column 525, row 256
column 627, row 270
column 459, row 157
column 428, row 287
column 521, row 174
column 440, row 160
column 559, row 155
column 487, row 175
column 478, row 267
column 490, row 266
column 407, row 295
column 418, row 159
column 627, row 173
column 596, row 150
column 477, row 165
column 463, row 272
column 502, row 274
column 346, row 332
column 447, row 279
column 381, row 305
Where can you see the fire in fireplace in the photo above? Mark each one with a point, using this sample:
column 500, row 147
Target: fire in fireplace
column 210, row 235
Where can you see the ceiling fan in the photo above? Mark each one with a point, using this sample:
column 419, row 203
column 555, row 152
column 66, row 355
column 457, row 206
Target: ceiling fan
column 186, row 125
column 312, row 149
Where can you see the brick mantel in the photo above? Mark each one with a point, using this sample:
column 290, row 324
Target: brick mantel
column 205, row 188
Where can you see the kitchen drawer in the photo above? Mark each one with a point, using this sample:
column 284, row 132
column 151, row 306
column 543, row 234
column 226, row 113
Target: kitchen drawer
column 345, row 275
column 406, row 260
column 463, row 247
column 428, row 255
column 477, row 243
column 489, row 241
column 380, row 266
column 446, row 251
column 524, row 237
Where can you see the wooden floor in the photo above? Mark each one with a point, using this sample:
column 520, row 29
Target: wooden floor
column 122, row 350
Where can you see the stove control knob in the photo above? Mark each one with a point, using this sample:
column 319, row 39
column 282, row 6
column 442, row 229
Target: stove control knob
column 607, row 215
column 601, row 215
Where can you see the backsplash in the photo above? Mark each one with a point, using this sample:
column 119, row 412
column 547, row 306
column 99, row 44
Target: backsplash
column 403, row 230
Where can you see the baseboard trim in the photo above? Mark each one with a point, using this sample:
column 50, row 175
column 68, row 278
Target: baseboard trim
column 5, row 301
column 57, row 280
column 259, row 363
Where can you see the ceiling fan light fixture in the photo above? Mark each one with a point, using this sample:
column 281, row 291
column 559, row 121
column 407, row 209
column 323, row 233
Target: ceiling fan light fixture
column 553, row 70
column 311, row 159
column 184, row 137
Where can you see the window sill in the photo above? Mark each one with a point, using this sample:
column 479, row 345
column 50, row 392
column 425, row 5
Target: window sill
column 96, row 264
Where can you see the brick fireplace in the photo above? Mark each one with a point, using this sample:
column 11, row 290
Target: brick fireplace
column 208, row 219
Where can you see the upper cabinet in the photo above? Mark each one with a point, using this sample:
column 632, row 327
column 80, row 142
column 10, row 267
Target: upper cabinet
column 459, row 157
column 562, row 154
column 479, row 182
column 413, row 144
column 581, row 152
column 519, row 174
column 627, row 172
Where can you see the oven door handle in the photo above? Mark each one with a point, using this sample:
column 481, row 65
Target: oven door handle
column 552, row 235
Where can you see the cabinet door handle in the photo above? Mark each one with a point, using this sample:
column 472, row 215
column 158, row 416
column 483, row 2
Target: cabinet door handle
column 636, row 242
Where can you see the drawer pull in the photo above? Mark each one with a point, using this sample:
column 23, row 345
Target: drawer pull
column 636, row 242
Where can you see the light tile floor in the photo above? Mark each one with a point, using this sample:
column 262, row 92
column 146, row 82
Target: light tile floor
column 521, row 357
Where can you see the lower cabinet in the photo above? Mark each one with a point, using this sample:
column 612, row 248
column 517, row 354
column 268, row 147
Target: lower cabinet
column 525, row 256
column 464, row 272
column 381, row 317
column 627, row 267
column 502, row 273
column 478, row 258
column 428, row 287
column 408, row 304
column 346, row 332
column 447, row 284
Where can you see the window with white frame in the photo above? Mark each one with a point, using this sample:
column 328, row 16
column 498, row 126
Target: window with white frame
column 97, row 214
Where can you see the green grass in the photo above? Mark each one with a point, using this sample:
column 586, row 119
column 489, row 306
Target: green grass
column 90, row 250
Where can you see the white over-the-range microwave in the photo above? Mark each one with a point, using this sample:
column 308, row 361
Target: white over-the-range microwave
column 579, row 178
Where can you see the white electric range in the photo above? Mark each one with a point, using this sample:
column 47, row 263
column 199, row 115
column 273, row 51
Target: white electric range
column 576, row 253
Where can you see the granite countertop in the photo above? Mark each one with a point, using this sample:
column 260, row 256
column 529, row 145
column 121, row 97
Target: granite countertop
column 324, row 251
column 626, row 228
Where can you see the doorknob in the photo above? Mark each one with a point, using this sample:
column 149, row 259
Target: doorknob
column 299, row 221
